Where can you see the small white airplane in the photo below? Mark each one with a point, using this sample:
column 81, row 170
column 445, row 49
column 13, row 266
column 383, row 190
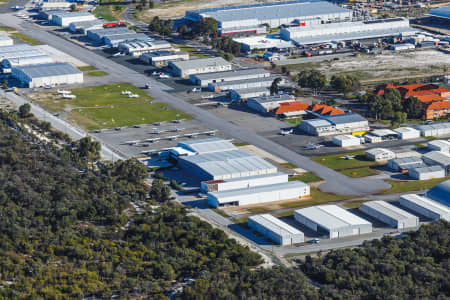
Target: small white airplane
column 208, row 97
column 64, row 92
column 69, row 96
column 286, row 132
column 133, row 96
column 48, row 86
column 131, row 143
column 164, row 76
column 194, row 90
column 118, row 54
column 348, row 157
column 177, row 129
column 125, row 92
column 178, row 121
column 313, row 146
column 211, row 133
column 156, row 73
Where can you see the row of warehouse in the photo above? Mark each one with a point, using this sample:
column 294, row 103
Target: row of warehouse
column 33, row 67
column 232, row 177
column 336, row 222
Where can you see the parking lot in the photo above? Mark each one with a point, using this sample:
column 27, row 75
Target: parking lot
column 144, row 139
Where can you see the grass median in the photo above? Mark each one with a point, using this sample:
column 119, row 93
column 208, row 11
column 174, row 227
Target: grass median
column 410, row 186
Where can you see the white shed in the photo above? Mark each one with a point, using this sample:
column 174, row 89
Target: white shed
column 407, row 133
column 389, row 214
column 346, row 140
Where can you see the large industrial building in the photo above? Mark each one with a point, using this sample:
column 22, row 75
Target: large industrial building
column 64, row 18
column 440, row 193
column 114, row 40
column 162, row 58
column 238, row 74
column 99, row 35
column 242, row 182
column 407, row 133
column 439, row 145
column 332, row 220
column 198, row 66
column 425, row 207
column 347, row 31
column 243, row 84
column 47, row 74
column 254, row 18
column 243, row 94
column 84, row 26
column 403, row 164
column 259, row 194
column 441, row 13
column 389, row 214
column 338, row 124
column 267, row 104
column 276, row 230
column 8, row 64
column 437, row 129
column 217, row 159
column 136, row 48
column 425, row 172
column 5, row 40
column 252, row 43
column 438, row 158
column 20, row 51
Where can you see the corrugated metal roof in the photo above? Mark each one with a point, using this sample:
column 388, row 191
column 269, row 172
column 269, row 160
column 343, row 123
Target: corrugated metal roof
column 46, row 70
column 126, row 37
column 439, row 143
column 104, row 32
column 71, row 14
column 389, row 210
column 271, row 98
column 277, row 10
column 440, row 158
column 271, row 175
column 228, row 162
column 407, row 160
column 344, row 137
column 259, row 189
column 231, row 73
column 201, row 63
column 442, row 12
column 209, row 145
column 318, row 123
column 345, row 118
column 375, row 151
column 24, row 61
column 426, row 169
column 405, row 130
column 243, row 92
column 331, row 217
column 251, row 80
column 275, row 225
column 427, row 203
column 88, row 24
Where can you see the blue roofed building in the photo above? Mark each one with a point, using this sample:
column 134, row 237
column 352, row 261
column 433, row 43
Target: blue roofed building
column 440, row 193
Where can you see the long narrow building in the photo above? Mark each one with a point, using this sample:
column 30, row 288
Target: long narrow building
column 276, row 230
column 389, row 214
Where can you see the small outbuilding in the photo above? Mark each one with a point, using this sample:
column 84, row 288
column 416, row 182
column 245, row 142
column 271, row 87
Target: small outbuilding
column 332, row 220
column 276, row 230
column 425, row 207
column 389, row 214
column 426, row 172
column 346, row 140
column 379, row 154
column 407, row 133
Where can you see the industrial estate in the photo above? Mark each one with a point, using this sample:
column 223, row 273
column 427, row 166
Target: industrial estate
column 295, row 126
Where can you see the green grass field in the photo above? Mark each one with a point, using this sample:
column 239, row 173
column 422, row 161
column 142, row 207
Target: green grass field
column 105, row 11
column 288, row 165
column 335, row 161
column 190, row 50
column 359, row 172
column 307, row 177
column 294, row 121
column 409, row 186
column 97, row 73
column 6, row 28
column 318, row 197
column 87, row 68
column 353, row 204
column 26, row 39
column 105, row 107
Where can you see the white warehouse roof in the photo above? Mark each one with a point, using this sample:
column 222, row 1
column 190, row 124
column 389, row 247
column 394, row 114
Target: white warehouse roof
column 19, row 51
column 47, row 70
column 229, row 163
column 389, row 210
column 25, row 61
column 425, row 206
column 200, row 63
column 209, row 145
column 271, row 10
column 230, row 74
column 275, row 225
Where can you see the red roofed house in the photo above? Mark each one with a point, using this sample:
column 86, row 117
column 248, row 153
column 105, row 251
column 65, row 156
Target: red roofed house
column 325, row 110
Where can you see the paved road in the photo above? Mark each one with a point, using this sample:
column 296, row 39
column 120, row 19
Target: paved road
column 335, row 182
column 61, row 125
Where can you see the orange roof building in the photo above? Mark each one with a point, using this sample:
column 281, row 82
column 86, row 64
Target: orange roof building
column 292, row 108
column 416, row 89
column 437, row 109
column 325, row 110
column 430, row 98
